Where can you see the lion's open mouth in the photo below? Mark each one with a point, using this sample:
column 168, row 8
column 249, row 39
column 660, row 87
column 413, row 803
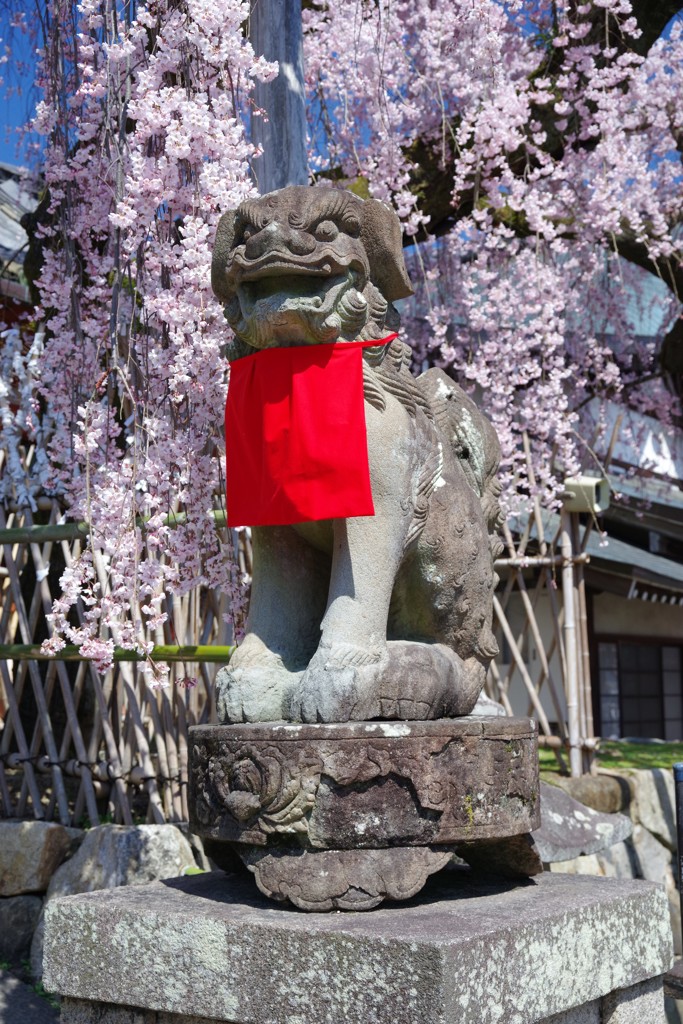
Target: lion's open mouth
column 269, row 294
column 325, row 263
column 293, row 286
column 275, row 266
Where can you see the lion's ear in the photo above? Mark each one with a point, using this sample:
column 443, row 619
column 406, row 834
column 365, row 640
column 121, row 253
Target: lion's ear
column 225, row 237
column 381, row 236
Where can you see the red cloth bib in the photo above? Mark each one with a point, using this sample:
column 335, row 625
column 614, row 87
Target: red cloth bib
column 295, row 435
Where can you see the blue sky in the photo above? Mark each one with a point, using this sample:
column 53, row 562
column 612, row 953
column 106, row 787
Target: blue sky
column 17, row 93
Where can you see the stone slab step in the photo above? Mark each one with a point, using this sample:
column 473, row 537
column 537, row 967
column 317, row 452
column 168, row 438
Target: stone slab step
column 475, row 951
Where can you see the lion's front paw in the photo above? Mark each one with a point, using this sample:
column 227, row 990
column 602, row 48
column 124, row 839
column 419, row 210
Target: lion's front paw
column 341, row 684
column 255, row 685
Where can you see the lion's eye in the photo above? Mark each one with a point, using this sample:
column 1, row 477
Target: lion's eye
column 246, row 234
column 326, row 230
column 352, row 226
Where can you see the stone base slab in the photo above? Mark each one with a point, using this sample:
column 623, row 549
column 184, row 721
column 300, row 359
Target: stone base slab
column 557, row 949
column 638, row 1004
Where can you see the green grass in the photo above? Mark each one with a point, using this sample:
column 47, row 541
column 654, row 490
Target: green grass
column 39, row 990
column 619, row 755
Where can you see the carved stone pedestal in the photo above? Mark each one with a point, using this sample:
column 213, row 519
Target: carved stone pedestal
column 344, row 816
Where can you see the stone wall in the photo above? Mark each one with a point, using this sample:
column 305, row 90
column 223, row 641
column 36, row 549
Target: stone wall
column 41, row 860
column 648, row 797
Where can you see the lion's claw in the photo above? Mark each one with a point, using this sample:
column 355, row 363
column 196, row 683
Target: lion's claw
column 340, row 685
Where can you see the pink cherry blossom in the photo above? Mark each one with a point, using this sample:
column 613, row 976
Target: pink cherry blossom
column 553, row 148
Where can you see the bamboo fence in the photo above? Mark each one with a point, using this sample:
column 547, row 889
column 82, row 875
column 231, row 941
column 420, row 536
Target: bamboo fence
column 77, row 746
column 531, row 577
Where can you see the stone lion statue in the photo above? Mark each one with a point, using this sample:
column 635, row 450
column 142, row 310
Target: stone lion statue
column 374, row 617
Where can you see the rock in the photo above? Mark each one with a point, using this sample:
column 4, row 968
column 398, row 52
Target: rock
column 200, row 855
column 639, row 1003
column 654, row 802
column 655, row 864
column 18, row 918
column 36, row 951
column 589, row 865
column 115, row 855
column 653, row 858
column 619, row 861
column 674, row 1010
column 570, row 829
column 673, row 981
column 608, row 794
column 30, row 853
column 641, row 856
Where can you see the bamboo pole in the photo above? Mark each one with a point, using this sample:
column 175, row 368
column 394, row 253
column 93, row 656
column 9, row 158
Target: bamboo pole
column 8, row 806
column 120, row 791
column 162, row 753
column 572, row 681
column 183, row 759
column 209, row 715
column 557, row 743
column 534, row 561
column 166, row 652
column 577, row 632
column 516, row 654
column 102, row 689
column 38, row 534
column 513, row 577
column 540, row 647
column 103, row 772
column 172, row 729
column 582, row 616
column 80, row 805
column 580, row 666
column 502, row 692
column 150, row 775
column 127, row 709
column 20, row 675
column 128, row 674
column 547, row 574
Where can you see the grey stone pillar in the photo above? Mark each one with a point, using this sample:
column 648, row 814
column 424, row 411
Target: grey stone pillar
column 276, row 32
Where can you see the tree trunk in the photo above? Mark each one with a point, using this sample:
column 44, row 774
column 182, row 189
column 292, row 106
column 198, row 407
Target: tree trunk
column 275, row 31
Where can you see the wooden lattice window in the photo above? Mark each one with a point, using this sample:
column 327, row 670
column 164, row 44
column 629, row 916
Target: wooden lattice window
column 640, row 689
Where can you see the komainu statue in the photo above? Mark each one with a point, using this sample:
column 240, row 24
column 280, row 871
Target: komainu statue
column 384, row 616
column 355, row 752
